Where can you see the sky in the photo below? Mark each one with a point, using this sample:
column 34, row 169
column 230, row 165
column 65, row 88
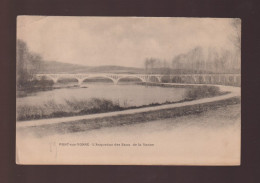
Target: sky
column 124, row 41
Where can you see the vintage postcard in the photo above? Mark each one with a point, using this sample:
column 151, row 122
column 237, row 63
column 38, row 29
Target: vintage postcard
column 128, row 91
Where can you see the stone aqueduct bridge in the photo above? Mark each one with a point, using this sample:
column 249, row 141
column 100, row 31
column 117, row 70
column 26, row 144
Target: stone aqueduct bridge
column 184, row 78
column 114, row 77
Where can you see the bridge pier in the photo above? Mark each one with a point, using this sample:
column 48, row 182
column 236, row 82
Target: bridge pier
column 55, row 80
column 159, row 78
column 116, row 81
column 80, row 82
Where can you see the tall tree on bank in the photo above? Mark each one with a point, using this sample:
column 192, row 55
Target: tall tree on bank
column 157, row 66
column 199, row 60
column 27, row 64
column 236, row 40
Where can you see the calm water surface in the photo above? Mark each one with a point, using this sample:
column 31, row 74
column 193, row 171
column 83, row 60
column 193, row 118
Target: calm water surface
column 125, row 94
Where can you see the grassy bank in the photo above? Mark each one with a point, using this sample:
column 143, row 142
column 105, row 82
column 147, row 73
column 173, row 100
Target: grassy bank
column 69, row 108
column 75, row 107
column 91, row 124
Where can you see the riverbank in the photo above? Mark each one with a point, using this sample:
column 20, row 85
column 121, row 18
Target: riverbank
column 91, row 122
column 29, row 91
column 76, row 107
column 132, row 116
column 211, row 137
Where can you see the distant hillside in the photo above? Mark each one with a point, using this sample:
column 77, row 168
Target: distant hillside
column 116, row 69
column 59, row 67
column 54, row 67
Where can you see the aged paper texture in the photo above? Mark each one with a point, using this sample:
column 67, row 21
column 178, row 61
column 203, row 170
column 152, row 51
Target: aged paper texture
column 128, row 91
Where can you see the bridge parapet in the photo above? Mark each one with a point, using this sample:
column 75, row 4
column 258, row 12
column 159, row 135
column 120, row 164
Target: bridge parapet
column 184, row 78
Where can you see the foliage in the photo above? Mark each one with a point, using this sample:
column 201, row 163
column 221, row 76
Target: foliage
column 70, row 108
column 210, row 60
column 202, row 60
column 155, row 65
column 28, row 64
column 202, row 92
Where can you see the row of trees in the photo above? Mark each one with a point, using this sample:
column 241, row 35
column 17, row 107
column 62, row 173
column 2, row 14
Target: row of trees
column 199, row 60
column 195, row 61
column 210, row 61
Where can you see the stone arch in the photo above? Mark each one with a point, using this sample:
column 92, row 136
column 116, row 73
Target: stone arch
column 190, row 80
column 215, row 79
column 208, row 79
column 238, row 80
column 177, row 79
column 230, row 80
column 166, row 79
column 137, row 77
column 48, row 77
column 153, row 79
column 184, row 79
column 59, row 79
column 199, row 79
column 97, row 77
column 223, row 80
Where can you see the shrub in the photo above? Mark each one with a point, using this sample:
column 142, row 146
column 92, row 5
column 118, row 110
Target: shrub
column 202, row 92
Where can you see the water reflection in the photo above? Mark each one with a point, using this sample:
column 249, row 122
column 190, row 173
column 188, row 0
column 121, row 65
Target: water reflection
column 126, row 95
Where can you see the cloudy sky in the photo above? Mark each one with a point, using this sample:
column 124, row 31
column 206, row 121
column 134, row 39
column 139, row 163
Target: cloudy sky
column 125, row 41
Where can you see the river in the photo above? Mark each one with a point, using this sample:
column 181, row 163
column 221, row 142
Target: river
column 125, row 94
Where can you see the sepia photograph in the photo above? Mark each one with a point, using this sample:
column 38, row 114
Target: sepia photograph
column 128, row 91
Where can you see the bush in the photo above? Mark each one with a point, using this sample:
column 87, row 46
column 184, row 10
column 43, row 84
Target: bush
column 202, row 92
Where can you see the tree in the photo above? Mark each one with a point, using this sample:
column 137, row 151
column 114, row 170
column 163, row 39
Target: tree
column 150, row 64
column 146, row 65
column 236, row 40
column 28, row 64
